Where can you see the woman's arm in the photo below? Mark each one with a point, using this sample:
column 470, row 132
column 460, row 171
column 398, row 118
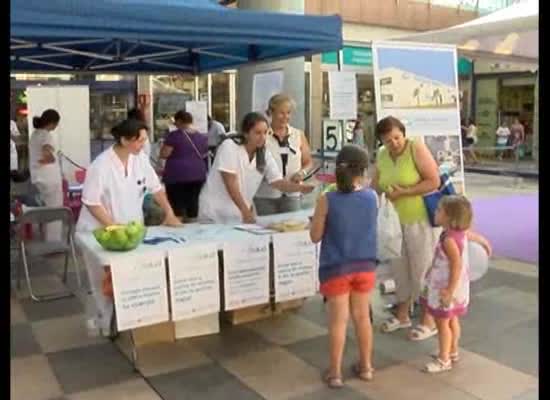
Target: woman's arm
column 428, row 170
column 101, row 214
column 170, row 218
column 374, row 182
column 165, row 151
column 289, row 187
column 476, row 237
column 231, row 184
column 317, row 228
column 48, row 154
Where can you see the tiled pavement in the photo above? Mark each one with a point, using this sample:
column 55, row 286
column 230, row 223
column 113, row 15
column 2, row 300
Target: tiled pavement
column 52, row 356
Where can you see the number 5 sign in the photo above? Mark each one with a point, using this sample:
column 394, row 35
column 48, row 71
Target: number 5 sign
column 332, row 134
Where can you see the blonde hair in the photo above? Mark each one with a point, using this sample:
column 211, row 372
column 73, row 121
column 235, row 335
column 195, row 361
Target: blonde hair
column 278, row 100
column 458, row 210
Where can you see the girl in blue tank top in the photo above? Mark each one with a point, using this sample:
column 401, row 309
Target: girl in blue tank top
column 345, row 223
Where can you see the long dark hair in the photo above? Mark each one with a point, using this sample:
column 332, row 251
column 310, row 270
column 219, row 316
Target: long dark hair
column 48, row 117
column 249, row 121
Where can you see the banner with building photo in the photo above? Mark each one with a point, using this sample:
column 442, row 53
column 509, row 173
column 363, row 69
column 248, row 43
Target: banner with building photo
column 419, row 85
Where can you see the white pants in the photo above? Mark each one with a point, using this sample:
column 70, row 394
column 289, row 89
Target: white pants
column 52, row 195
column 103, row 311
column 419, row 243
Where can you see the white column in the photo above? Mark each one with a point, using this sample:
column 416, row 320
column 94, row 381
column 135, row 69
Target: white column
column 294, row 84
column 145, row 87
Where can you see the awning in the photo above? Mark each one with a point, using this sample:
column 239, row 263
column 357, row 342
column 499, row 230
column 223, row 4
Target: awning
column 511, row 33
column 158, row 36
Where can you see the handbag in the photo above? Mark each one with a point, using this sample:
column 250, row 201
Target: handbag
column 431, row 200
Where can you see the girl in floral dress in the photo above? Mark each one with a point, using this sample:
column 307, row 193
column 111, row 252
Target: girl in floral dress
column 446, row 291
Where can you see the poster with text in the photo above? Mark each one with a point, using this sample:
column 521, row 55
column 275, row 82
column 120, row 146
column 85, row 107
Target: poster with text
column 194, row 281
column 246, row 273
column 199, row 111
column 140, row 290
column 342, row 95
column 294, row 266
column 265, row 85
column 418, row 84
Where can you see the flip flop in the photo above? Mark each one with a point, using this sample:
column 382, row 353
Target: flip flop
column 421, row 332
column 362, row 373
column 333, row 382
column 392, row 324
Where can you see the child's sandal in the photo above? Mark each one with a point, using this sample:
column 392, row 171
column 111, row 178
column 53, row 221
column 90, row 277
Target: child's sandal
column 365, row 374
column 333, row 382
column 455, row 357
column 437, row 366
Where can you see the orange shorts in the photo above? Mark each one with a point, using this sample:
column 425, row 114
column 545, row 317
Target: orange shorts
column 362, row 282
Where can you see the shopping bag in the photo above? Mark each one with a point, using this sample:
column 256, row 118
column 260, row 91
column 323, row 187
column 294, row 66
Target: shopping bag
column 431, row 200
column 390, row 235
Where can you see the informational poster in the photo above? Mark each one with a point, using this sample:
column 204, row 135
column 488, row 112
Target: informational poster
column 294, row 265
column 265, row 85
column 194, row 281
column 246, row 273
column 140, row 290
column 342, row 95
column 199, row 111
column 418, row 84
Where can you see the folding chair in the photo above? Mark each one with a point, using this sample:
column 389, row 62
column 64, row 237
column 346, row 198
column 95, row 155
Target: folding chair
column 35, row 248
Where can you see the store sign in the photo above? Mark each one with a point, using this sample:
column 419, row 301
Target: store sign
column 357, row 56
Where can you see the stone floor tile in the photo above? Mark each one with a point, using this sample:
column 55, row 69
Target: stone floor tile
column 516, row 347
column 162, row 358
column 532, row 394
column 516, row 267
column 487, row 379
column 326, row 393
column 90, row 367
column 135, row 389
column 205, row 382
column 57, row 334
column 17, row 315
column 515, row 299
column 314, row 310
column 407, row 382
column 286, row 329
column 315, row 352
column 33, row 379
column 275, row 373
column 37, row 311
column 22, row 341
column 45, row 284
column 231, row 341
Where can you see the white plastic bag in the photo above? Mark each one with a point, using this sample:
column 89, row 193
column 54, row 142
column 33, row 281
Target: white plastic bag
column 390, row 235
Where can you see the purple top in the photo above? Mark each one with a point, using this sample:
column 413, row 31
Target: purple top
column 184, row 164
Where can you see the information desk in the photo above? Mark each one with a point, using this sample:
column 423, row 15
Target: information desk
column 201, row 270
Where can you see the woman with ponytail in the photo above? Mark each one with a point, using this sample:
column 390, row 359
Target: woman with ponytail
column 44, row 166
column 240, row 165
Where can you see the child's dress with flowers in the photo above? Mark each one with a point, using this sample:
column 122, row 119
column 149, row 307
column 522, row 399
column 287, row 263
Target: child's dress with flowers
column 437, row 278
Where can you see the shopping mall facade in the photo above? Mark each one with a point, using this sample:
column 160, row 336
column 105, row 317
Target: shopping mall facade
column 504, row 89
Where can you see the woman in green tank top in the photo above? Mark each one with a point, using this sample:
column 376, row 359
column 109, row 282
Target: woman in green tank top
column 406, row 170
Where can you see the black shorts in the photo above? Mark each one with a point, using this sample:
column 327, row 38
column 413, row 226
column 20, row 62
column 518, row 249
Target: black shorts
column 184, row 198
column 468, row 142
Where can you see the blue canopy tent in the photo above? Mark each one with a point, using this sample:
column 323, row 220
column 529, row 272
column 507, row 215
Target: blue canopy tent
column 158, row 36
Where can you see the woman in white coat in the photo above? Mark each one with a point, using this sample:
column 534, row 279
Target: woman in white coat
column 240, row 166
column 45, row 168
column 116, row 183
column 290, row 150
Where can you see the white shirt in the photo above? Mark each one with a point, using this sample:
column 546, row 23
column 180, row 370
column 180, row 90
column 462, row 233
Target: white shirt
column 122, row 196
column 215, row 133
column 14, row 130
column 14, row 166
column 472, row 133
column 294, row 161
column 43, row 173
column 214, row 200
